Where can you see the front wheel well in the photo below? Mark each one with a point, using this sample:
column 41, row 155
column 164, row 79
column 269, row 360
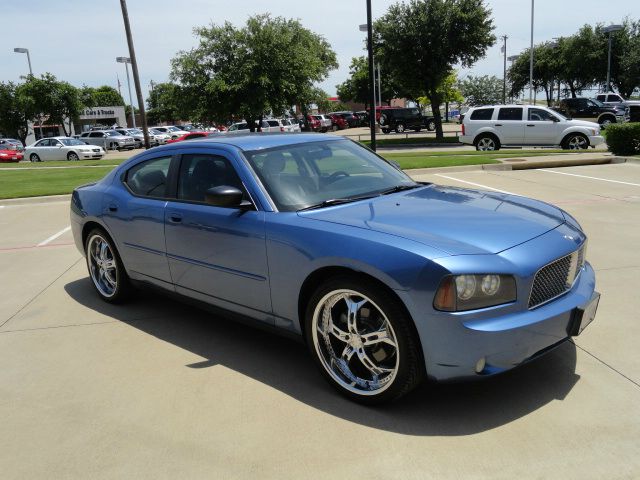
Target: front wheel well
column 318, row 277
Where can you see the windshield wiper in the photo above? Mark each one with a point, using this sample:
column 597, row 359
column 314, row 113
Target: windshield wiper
column 398, row 188
column 336, row 201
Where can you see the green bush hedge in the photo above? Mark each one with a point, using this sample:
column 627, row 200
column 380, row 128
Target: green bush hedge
column 624, row 138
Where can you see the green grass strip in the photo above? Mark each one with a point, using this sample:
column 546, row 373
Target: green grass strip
column 34, row 183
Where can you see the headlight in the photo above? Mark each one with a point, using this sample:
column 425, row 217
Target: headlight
column 457, row 293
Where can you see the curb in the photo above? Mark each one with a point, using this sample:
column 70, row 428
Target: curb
column 32, row 200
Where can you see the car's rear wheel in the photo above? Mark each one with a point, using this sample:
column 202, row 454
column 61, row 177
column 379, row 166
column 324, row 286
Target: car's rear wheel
column 400, row 128
column 431, row 125
column 606, row 121
column 363, row 340
column 34, row 157
column 487, row 143
column 105, row 267
column 72, row 156
column 575, row 141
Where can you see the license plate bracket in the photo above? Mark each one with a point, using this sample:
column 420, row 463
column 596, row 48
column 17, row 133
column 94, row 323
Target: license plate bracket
column 582, row 316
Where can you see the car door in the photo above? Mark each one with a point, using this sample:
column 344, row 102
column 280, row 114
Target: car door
column 542, row 127
column 216, row 254
column 133, row 210
column 40, row 149
column 56, row 150
column 510, row 125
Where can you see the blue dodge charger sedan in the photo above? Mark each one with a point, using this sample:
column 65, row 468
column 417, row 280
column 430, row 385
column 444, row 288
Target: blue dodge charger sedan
column 387, row 280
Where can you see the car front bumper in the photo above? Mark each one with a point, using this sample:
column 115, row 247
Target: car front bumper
column 595, row 140
column 476, row 348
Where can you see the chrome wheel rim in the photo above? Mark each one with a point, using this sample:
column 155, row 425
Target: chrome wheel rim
column 577, row 143
column 401, row 128
column 355, row 342
column 486, row 144
column 33, row 157
column 606, row 123
column 73, row 157
column 102, row 266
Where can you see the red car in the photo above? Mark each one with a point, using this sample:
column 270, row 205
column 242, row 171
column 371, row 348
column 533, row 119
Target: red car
column 314, row 124
column 338, row 121
column 10, row 156
column 189, row 136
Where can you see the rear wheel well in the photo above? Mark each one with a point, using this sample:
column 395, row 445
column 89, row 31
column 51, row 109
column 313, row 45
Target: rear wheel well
column 88, row 227
column 486, row 134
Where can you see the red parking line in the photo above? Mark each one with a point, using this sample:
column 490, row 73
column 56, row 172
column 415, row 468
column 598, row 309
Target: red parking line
column 9, row 249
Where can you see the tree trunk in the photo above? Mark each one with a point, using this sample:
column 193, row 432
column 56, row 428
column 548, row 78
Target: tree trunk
column 548, row 93
column 572, row 88
column 434, row 98
column 252, row 123
column 446, row 111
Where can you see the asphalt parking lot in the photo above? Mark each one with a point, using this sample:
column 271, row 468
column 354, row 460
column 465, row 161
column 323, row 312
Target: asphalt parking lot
column 158, row 389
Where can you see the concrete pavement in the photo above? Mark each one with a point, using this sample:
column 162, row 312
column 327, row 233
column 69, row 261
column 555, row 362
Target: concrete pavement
column 158, row 389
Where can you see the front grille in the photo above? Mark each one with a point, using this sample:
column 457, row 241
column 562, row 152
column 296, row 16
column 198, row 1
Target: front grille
column 556, row 278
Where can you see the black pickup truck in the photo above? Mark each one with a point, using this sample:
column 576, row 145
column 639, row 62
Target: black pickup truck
column 402, row 119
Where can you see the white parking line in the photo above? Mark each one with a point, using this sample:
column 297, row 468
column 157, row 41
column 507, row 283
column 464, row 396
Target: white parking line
column 54, row 236
column 586, row 176
column 474, row 184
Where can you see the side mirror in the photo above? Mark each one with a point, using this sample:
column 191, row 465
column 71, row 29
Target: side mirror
column 395, row 164
column 226, row 196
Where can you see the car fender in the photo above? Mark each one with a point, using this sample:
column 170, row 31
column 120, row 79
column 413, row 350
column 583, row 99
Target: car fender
column 487, row 129
column 604, row 115
column 586, row 131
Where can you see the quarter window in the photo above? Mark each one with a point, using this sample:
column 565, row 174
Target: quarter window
column 199, row 173
column 149, row 179
column 510, row 114
column 482, row 114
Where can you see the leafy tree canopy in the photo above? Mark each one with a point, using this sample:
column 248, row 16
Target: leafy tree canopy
column 481, row 90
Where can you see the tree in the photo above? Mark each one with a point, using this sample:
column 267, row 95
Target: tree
column 164, row 103
column 419, row 42
column 14, row 111
column 267, row 65
column 625, row 61
column 481, row 90
column 582, row 57
column 356, row 87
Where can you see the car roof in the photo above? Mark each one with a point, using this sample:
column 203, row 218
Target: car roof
column 259, row 141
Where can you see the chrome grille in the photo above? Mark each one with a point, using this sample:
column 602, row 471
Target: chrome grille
column 556, row 278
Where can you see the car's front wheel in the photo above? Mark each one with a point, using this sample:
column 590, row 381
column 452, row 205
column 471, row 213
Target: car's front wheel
column 575, row 141
column 400, row 128
column 487, row 143
column 363, row 340
column 34, row 157
column 73, row 156
column 431, row 125
column 105, row 267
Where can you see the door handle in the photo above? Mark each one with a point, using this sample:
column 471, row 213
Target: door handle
column 498, row 124
column 175, row 218
column 529, row 125
column 113, row 207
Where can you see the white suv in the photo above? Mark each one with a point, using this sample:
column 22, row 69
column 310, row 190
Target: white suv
column 495, row 126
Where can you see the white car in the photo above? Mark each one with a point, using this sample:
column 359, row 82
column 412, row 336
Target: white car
column 62, row 148
column 160, row 136
column 291, row 125
column 325, row 122
column 495, row 126
column 176, row 132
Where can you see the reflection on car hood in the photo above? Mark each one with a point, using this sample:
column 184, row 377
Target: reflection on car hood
column 454, row 220
column 583, row 123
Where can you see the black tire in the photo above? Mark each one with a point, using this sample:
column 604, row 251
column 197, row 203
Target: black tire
column 487, row 143
column 575, row 141
column 73, row 157
column 606, row 121
column 383, row 120
column 386, row 130
column 34, row 157
column 400, row 128
column 417, row 129
column 408, row 364
column 431, row 125
column 123, row 287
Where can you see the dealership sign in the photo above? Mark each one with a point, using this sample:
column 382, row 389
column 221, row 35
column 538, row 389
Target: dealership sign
column 102, row 113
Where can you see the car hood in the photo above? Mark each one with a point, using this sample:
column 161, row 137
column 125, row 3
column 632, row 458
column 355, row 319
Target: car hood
column 455, row 220
column 583, row 123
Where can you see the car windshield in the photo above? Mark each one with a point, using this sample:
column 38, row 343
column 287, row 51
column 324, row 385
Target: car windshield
column 321, row 173
column 112, row 133
column 155, row 132
column 174, row 129
column 71, row 142
column 597, row 102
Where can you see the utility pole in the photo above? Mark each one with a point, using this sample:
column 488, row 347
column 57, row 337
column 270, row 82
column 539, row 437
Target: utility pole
column 134, row 69
column 379, row 89
column 504, row 70
column 531, row 60
column 372, row 80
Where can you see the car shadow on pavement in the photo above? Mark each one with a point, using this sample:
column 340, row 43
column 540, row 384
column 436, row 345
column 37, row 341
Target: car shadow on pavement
column 284, row 364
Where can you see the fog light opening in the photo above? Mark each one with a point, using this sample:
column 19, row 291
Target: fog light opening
column 480, row 365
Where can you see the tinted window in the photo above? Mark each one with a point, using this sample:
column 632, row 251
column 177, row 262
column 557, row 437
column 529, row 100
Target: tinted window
column 510, row 114
column 96, row 134
column 199, row 173
column 602, row 98
column 149, row 179
column 482, row 114
column 43, row 143
column 273, row 123
column 613, row 98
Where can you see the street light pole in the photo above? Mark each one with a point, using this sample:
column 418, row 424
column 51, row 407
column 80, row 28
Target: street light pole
column 126, row 61
column 531, row 59
column 372, row 81
column 610, row 29
column 134, row 70
column 512, row 59
column 25, row 50
column 504, row 70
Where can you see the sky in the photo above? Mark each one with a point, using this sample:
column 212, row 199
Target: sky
column 79, row 40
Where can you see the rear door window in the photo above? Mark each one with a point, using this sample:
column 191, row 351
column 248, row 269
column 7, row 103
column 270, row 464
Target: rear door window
column 149, row 179
column 482, row 114
column 510, row 113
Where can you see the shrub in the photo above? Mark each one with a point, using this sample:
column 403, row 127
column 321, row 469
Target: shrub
column 624, row 138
